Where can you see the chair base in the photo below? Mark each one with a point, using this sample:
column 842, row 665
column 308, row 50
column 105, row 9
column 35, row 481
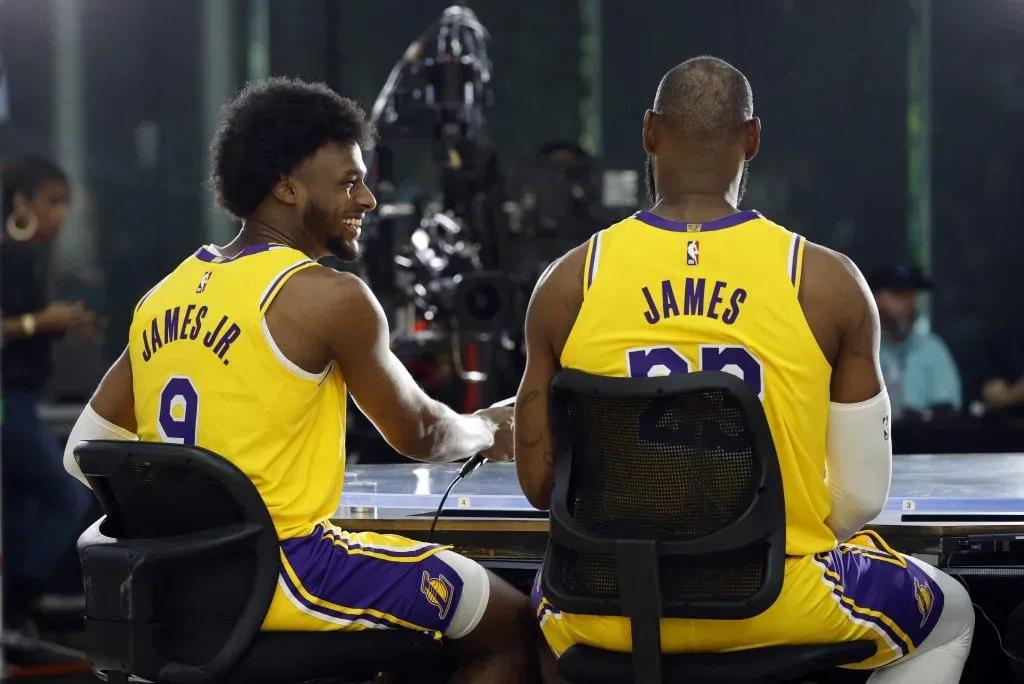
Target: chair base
column 587, row 665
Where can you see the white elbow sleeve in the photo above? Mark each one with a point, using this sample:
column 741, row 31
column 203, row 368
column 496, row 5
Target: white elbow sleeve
column 859, row 462
column 90, row 425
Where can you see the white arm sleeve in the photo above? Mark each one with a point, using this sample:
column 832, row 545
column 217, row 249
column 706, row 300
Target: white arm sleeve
column 90, row 425
column 859, row 463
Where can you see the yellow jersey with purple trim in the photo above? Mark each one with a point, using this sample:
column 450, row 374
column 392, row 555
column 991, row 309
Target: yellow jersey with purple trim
column 664, row 297
column 206, row 371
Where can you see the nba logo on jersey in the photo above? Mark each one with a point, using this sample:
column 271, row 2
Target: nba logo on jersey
column 203, row 281
column 692, row 253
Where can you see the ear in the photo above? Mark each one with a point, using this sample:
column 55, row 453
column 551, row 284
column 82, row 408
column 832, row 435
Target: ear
column 753, row 138
column 285, row 190
column 650, row 131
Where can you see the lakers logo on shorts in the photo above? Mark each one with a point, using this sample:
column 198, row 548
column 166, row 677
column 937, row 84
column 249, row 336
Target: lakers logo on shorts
column 439, row 592
column 925, row 599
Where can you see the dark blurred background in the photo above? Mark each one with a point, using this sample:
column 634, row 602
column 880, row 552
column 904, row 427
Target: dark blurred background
column 890, row 129
column 891, row 132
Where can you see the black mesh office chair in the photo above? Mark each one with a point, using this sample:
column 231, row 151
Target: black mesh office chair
column 181, row 569
column 668, row 502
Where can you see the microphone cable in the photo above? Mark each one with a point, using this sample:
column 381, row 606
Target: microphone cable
column 468, row 468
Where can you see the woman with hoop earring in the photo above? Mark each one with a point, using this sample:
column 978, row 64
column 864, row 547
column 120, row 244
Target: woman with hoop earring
column 42, row 508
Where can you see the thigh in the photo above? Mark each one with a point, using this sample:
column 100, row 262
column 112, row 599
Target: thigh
column 896, row 600
column 336, row 580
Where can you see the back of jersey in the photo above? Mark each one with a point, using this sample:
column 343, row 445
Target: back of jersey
column 664, row 297
column 206, row 371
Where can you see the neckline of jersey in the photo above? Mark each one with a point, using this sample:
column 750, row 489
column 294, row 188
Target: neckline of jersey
column 210, row 253
column 739, row 217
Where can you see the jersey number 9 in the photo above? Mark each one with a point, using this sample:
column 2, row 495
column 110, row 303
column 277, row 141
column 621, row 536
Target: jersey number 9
column 178, row 420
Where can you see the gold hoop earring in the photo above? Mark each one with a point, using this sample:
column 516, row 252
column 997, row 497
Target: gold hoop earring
column 23, row 232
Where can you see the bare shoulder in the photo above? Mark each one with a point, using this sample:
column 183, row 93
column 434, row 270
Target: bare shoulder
column 557, row 299
column 565, row 273
column 325, row 289
column 834, row 296
column 324, row 302
column 827, row 271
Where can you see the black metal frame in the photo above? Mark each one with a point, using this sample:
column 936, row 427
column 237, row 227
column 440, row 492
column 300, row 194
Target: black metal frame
column 120, row 588
column 763, row 523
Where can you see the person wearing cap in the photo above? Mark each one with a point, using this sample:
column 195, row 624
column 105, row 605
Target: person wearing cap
column 919, row 371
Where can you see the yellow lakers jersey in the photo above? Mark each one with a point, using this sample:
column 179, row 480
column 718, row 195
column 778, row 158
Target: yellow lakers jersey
column 206, row 371
column 664, row 297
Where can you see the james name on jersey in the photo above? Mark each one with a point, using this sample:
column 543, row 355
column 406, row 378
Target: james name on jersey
column 696, row 293
column 185, row 324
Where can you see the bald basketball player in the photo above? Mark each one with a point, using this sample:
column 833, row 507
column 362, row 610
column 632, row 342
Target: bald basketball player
column 250, row 349
column 696, row 284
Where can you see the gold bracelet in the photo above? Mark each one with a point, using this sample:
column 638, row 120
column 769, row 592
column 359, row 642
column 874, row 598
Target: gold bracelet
column 28, row 324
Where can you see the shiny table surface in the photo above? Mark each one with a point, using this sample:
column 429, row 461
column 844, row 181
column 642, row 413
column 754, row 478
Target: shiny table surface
column 930, row 494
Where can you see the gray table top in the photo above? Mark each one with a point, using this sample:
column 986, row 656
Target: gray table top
column 927, row 489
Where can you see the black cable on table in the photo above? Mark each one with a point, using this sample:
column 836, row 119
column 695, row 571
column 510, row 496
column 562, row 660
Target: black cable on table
column 467, row 468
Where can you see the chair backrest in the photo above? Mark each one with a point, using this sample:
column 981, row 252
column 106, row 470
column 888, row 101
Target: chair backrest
column 667, row 501
column 181, row 569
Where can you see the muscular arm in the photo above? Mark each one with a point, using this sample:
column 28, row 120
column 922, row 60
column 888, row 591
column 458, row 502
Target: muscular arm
column 842, row 313
column 351, row 324
column 114, row 399
column 553, row 309
column 110, row 413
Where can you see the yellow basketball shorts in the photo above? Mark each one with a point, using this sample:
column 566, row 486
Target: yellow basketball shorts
column 862, row 589
column 353, row 581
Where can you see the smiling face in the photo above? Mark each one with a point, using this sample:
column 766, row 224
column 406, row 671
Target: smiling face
column 334, row 197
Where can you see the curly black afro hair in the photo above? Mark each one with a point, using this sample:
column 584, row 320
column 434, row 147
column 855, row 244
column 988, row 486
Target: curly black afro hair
column 272, row 127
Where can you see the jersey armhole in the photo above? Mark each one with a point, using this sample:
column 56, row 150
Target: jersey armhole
column 593, row 258
column 278, row 282
column 265, row 301
column 795, row 261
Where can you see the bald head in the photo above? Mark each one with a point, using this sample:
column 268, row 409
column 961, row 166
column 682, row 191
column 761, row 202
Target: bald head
column 705, row 98
column 701, row 134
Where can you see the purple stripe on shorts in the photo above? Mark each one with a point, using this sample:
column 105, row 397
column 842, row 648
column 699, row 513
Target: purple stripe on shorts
column 653, row 219
column 895, row 638
column 270, row 290
column 424, row 593
column 905, row 595
column 330, row 612
column 536, row 596
column 356, row 546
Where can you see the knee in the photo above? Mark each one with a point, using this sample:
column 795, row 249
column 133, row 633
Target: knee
column 958, row 608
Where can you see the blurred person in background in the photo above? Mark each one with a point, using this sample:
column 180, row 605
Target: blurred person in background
column 919, row 371
column 42, row 509
column 1003, row 391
